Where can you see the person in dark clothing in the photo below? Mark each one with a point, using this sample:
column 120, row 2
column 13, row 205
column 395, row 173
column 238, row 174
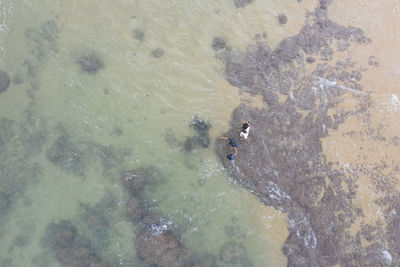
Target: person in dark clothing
column 231, row 141
column 234, row 145
column 231, row 157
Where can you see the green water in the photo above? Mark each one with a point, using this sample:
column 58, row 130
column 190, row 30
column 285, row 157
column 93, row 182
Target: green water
column 132, row 113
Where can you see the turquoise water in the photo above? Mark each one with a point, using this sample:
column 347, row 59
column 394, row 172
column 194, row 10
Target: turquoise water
column 134, row 112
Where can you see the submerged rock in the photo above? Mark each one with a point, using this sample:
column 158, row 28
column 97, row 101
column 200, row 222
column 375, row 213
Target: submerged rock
column 90, row 64
column 4, row 81
column 157, row 53
column 156, row 245
column 135, row 180
column 202, row 139
column 69, row 247
column 135, row 209
column 218, row 43
column 201, row 126
column 138, row 35
column 241, row 3
column 64, row 154
column 282, row 18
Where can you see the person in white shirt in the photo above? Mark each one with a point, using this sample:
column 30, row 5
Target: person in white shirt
column 244, row 133
column 245, row 130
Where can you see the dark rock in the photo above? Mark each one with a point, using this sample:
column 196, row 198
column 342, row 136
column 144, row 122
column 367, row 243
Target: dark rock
column 135, row 180
column 138, row 35
column 372, row 61
column 310, row 60
column 157, row 53
column 90, row 64
column 241, row 3
column 4, row 81
column 282, row 18
column 135, row 209
column 218, row 43
column 69, row 247
column 201, row 126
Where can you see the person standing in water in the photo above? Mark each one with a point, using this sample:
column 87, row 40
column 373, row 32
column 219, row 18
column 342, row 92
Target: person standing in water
column 231, row 141
column 231, row 157
column 234, row 145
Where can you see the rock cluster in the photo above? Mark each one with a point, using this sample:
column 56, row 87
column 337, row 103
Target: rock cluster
column 202, row 139
column 284, row 164
column 155, row 243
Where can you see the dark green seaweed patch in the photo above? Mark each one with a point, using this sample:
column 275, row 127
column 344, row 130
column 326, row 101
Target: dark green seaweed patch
column 65, row 154
column 218, row 43
column 16, row 169
column 70, row 247
column 202, row 139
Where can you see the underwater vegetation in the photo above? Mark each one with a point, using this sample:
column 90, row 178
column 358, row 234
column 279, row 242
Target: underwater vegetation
column 69, row 247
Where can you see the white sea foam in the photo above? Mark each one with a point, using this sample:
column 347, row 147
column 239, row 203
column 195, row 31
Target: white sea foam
column 310, row 240
column 276, row 193
column 394, row 103
column 387, row 256
column 326, row 84
column 6, row 7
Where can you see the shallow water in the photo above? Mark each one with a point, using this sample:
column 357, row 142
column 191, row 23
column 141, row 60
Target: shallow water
column 134, row 112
